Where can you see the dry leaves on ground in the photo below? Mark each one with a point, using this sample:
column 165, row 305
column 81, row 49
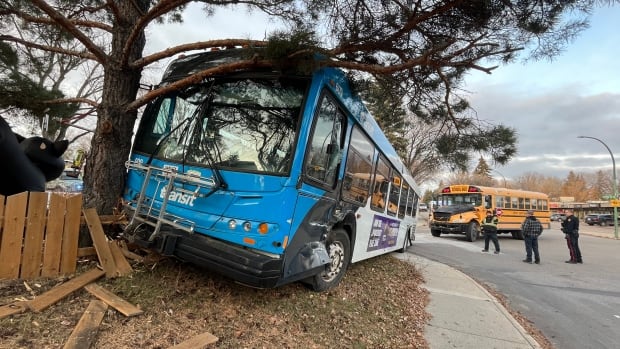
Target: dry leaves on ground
column 379, row 304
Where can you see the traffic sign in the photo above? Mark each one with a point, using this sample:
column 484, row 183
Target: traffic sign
column 614, row 203
column 498, row 211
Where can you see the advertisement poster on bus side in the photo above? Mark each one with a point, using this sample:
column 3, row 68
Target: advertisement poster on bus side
column 383, row 234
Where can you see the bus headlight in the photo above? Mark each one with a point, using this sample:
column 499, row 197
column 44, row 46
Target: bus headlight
column 247, row 226
column 232, row 224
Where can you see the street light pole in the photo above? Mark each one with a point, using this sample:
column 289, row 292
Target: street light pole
column 613, row 161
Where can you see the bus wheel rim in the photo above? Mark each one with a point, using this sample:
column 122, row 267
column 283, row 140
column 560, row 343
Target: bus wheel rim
column 336, row 254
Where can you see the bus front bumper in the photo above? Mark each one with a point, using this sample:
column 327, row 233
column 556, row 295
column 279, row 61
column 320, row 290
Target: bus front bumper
column 243, row 265
column 449, row 227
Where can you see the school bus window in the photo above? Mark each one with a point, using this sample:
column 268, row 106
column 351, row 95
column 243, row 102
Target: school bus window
column 527, row 203
column 534, row 204
column 542, row 204
column 514, row 202
column 499, row 201
column 521, row 203
column 381, row 184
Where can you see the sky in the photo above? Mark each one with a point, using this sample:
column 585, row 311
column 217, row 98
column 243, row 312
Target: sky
column 549, row 104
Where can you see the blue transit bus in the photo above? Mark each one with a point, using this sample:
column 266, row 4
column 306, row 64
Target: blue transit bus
column 266, row 175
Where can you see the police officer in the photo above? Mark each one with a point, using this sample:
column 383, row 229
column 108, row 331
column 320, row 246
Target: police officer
column 570, row 227
column 489, row 228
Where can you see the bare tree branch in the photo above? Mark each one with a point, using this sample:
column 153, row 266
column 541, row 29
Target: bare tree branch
column 101, row 56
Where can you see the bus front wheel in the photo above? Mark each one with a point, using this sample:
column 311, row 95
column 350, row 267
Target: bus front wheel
column 436, row 232
column 339, row 250
column 473, row 231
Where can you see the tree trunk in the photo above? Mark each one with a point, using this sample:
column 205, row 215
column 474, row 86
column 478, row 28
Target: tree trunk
column 104, row 172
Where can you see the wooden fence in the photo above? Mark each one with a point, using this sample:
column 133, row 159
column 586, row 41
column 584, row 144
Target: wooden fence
column 39, row 234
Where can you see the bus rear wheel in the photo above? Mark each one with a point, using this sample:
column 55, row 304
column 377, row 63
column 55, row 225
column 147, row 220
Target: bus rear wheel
column 473, row 231
column 436, row 232
column 339, row 250
column 517, row 235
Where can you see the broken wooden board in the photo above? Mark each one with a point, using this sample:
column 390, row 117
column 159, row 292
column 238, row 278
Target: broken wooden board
column 113, row 300
column 84, row 333
column 61, row 291
column 86, row 251
column 13, row 308
column 122, row 266
column 101, row 242
column 198, row 342
column 129, row 254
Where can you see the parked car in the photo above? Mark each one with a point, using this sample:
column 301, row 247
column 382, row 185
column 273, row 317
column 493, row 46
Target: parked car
column 69, row 182
column 559, row 217
column 423, row 207
column 600, row 219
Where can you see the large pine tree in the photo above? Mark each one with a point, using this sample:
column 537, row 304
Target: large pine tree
column 423, row 47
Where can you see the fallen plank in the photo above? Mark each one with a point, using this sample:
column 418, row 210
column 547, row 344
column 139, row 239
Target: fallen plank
column 122, row 266
column 129, row 254
column 109, row 219
column 113, row 300
column 86, row 251
column 101, row 243
column 85, row 331
column 61, row 291
column 13, row 308
column 198, row 342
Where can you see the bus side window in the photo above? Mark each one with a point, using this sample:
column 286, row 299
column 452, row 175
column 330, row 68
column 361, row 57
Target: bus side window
column 488, row 201
column 394, row 195
column 381, row 184
column 324, row 149
column 358, row 170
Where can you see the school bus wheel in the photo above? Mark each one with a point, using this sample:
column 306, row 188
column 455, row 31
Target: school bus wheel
column 473, row 231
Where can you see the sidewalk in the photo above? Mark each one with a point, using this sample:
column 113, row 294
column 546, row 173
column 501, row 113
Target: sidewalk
column 464, row 314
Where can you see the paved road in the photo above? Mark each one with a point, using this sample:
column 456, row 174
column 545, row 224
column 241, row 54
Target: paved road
column 575, row 306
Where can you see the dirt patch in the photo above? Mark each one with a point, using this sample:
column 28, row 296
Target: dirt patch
column 379, row 304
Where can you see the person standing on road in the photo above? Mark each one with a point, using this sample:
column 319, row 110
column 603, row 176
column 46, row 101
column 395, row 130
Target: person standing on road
column 570, row 228
column 489, row 228
column 531, row 229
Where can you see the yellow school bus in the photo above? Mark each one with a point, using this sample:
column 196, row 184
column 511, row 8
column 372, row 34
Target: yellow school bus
column 461, row 208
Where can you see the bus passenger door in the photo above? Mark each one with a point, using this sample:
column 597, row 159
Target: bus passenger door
column 317, row 194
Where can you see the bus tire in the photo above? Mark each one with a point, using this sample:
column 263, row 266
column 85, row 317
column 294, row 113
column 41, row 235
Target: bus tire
column 473, row 231
column 339, row 249
column 517, row 235
column 436, row 232
column 409, row 239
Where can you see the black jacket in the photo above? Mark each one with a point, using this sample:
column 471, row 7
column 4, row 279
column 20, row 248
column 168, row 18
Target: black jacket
column 570, row 225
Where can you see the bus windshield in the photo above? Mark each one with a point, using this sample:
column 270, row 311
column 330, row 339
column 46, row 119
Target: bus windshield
column 460, row 199
column 245, row 124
